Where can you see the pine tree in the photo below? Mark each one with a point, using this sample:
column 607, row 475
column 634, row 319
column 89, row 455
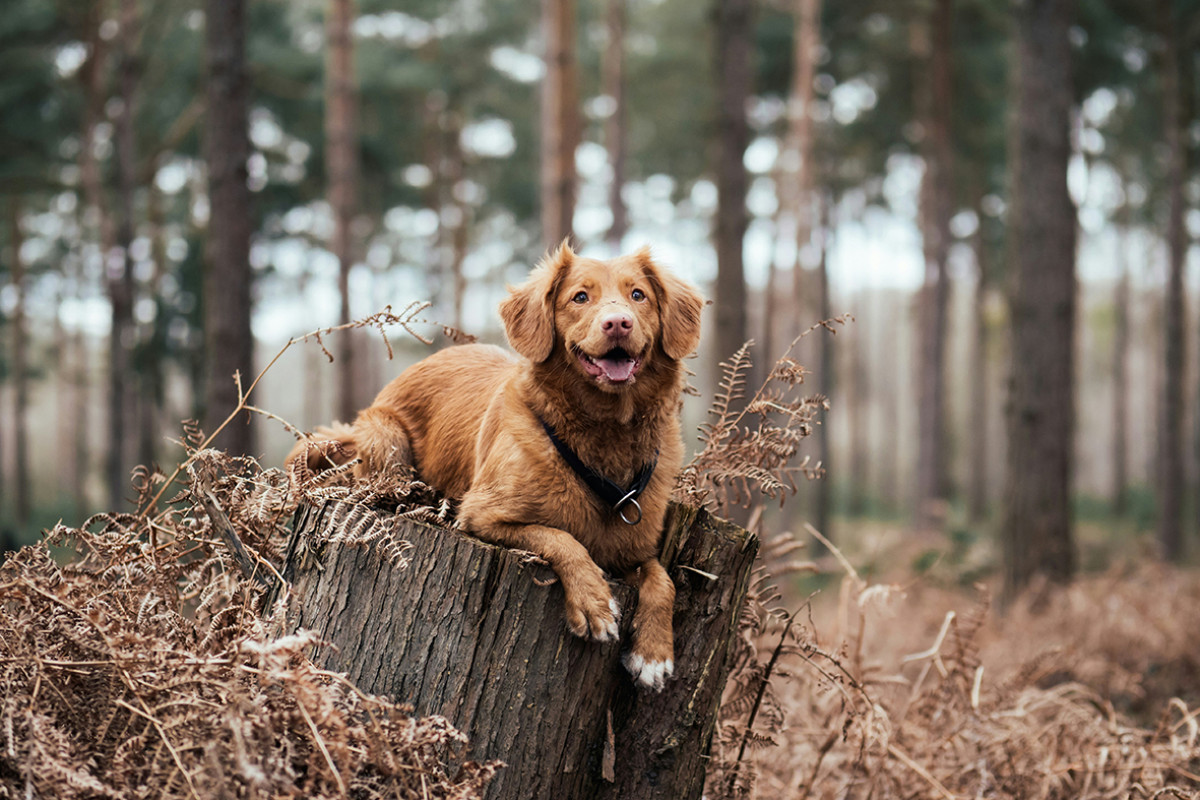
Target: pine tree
column 1037, row 529
column 229, row 340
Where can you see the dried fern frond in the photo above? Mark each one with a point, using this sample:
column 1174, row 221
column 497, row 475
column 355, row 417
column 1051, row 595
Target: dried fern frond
column 750, row 445
column 145, row 670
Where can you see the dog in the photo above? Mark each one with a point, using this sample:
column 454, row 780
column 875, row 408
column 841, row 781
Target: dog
column 568, row 450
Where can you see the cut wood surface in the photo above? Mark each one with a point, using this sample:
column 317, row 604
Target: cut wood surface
column 476, row 633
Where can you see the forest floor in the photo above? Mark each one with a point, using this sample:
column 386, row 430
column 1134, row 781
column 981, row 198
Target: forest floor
column 902, row 677
column 889, row 673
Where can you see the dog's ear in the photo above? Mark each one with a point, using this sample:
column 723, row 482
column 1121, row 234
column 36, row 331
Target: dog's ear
column 528, row 311
column 679, row 308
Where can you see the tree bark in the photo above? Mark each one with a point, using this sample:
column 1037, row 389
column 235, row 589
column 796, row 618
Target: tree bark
column 153, row 346
column 453, row 211
column 92, row 215
column 1120, row 368
column 20, row 369
column 341, row 166
column 734, row 82
column 477, row 634
column 823, row 507
column 977, row 433
column 561, row 124
column 229, row 342
column 1036, row 531
column 120, row 267
column 937, row 191
column 795, row 178
column 1171, row 481
column 614, row 126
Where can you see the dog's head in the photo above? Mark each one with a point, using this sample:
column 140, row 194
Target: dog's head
column 611, row 318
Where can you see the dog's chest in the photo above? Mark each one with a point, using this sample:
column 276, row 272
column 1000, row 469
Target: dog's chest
column 571, row 505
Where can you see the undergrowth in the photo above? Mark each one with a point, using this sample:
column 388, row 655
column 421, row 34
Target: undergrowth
column 920, row 692
column 155, row 663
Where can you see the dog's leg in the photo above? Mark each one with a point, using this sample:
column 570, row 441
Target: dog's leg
column 381, row 441
column 651, row 661
column 591, row 610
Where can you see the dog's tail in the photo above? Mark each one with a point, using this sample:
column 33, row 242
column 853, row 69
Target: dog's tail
column 326, row 447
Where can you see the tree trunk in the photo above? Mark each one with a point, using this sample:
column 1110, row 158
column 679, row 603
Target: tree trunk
column 341, row 166
column 477, row 633
column 229, row 342
column 561, row 125
column 1037, row 535
column 937, row 191
column 734, row 82
column 614, row 126
column 978, row 426
column 93, row 217
column 120, row 266
column 795, row 179
column 1171, row 481
column 453, row 211
column 153, row 344
column 822, row 513
column 66, row 396
column 806, row 49
column 1120, row 368
column 20, row 369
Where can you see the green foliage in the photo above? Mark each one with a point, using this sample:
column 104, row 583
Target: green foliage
column 427, row 68
column 36, row 106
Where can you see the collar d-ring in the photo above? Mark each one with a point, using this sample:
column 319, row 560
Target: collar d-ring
column 630, row 500
column 612, row 494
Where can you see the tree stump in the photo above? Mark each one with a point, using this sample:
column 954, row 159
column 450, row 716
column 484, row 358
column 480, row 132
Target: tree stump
column 477, row 633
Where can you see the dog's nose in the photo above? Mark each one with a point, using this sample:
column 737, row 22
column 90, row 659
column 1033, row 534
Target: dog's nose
column 617, row 325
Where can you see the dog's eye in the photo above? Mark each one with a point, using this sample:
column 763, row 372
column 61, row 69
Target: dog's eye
column 638, row 295
column 580, row 297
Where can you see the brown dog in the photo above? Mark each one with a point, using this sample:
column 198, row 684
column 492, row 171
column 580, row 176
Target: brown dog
column 514, row 440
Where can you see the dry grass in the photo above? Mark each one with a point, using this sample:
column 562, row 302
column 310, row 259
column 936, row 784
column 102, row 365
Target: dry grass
column 152, row 665
column 919, row 692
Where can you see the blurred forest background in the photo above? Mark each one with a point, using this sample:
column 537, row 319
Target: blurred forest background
column 1004, row 196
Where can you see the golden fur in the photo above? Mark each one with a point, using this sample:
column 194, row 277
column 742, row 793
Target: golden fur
column 600, row 345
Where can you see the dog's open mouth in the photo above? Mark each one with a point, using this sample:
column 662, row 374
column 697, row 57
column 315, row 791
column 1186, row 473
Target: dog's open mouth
column 617, row 365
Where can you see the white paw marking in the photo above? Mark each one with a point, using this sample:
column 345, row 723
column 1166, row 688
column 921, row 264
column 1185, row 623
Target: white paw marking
column 597, row 628
column 649, row 674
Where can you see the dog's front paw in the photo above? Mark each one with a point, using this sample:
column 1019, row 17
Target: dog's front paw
column 593, row 613
column 648, row 674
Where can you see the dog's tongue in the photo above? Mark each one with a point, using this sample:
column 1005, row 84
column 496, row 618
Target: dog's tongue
column 616, row 369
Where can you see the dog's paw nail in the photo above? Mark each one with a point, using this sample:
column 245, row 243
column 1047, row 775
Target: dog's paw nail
column 633, row 662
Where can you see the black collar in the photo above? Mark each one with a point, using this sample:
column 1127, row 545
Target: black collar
column 607, row 490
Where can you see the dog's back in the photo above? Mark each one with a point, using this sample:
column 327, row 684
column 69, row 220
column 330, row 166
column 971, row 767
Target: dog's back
column 434, row 407
column 441, row 399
